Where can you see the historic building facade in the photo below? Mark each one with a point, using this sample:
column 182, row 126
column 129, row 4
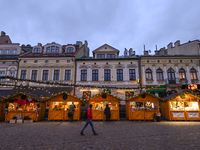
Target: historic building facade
column 106, row 68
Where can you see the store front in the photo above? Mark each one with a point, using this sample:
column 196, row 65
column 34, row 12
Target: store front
column 59, row 105
column 181, row 106
column 99, row 102
column 142, row 106
column 158, row 90
column 23, row 104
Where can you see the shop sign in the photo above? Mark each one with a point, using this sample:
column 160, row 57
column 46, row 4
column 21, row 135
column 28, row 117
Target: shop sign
column 156, row 88
column 182, row 100
column 178, row 114
column 193, row 114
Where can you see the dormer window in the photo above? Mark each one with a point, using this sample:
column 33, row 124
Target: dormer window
column 48, row 49
column 36, row 50
column 14, row 51
column 99, row 56
column 57, row 49
column 53, row 49
column 70, row 49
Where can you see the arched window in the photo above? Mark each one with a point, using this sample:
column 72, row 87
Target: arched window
column 159, row 74
column 171, row 74
column 148, row 73
column 193, row 74
column 70, row 49
column 182, row 74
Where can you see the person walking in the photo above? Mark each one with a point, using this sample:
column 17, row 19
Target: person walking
column 71, row 112
column 107, row 112
column 89, row 120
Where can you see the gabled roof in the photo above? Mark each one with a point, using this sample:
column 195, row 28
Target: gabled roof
column 107, row 94
column 173, row 96
column 63, row 92
column 105, row 45
column 27, row 94
column 146, row 93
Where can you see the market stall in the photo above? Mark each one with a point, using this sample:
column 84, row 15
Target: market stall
column 142, row 106
column 181, row 106
column 24, row 104
column 59, row 105
column 99, row 102
column 2, row 116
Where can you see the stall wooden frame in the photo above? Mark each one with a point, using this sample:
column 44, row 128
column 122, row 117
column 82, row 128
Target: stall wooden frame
column 31, row 114
column 63, row 114
column 99, row 114
column 2, row 115
column 142, row 114
column 169, row 114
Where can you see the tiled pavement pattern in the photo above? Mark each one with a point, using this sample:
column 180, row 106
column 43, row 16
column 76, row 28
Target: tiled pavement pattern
column 117, row 135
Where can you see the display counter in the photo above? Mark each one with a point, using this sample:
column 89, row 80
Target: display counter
column 142, row 106
column 181, row 106
column 59, row 105
column 23, row 104
column 99, row 102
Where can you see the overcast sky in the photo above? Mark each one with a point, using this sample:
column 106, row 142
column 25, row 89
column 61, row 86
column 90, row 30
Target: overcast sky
column 119, row 23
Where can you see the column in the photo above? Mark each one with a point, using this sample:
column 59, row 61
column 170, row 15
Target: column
column 188, row 76
column 143, row 75
column 154, row 76
column 198, row 74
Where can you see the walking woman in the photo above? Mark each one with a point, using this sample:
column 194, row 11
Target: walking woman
column 107, row 112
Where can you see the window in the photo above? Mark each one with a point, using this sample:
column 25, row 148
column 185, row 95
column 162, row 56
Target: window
column 57, row 61
column 181, row 61
column 12, row 73
column 83, row 75
column 94, row 75
column 48, row 49
column 45, row 75
column 129, row 94
column 7, row 52
column 68, row 61
column 53, row 49
column 99, row 56
column 182, row 74
column 132, row 74
column 14, row 51
column 159, row 74
column 119, row 74
column 36, row 50
column 147, row 60
column 25, row 61
column 2, row 73
column 1, row 51
column 158, row 61
column 57, row 49
column 23, row 74
column 70, row 49
column 107, row 75
column 171, row 76
column 14, row 62
column 148, row 73
column 169, row 61
column 46, row 61
column 193, row 74
column 4, row 62
column 110, row 55
column 56, row 74
column 34, row 75
column 67, row 74
column 35, row 61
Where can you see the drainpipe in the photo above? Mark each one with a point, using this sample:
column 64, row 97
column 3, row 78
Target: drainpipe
column 139, row 70
column 75, row 77
column 17, row 69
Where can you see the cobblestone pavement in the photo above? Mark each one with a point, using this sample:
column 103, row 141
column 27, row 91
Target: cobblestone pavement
column 112, row 135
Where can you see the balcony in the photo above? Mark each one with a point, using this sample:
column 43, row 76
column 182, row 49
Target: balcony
column 176, row 81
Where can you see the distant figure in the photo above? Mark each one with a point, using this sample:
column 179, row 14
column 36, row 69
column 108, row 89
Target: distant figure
column 89, row 120
column 71, row 112
column 107, row 112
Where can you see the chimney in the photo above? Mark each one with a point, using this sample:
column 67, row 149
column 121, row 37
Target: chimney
column 146, row 53
column 177, row 43
column 3, row 33
column 169, row 46
column 39, row 44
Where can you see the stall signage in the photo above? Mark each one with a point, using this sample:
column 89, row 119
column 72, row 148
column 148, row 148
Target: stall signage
column 182, row 100
column 156, row 88
column 193, row 114
column 178, row 114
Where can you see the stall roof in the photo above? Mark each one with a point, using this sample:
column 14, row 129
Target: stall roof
column 172, row 96
column 105, row 93
column 63, row 93
column 147, row 93
column 27, row 94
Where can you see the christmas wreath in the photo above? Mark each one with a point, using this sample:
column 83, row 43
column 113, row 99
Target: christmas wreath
column 104, row 95
column 182, row 96
column 23, row 97
column 64, row 96
column 143, row 95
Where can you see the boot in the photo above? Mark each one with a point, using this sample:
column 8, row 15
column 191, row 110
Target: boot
column 81, row 133
column 95, row 133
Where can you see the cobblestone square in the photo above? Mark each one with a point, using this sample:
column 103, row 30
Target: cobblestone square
column 114, row 135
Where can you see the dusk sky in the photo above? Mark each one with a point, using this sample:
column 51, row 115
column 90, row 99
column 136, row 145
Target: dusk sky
column 119, row 23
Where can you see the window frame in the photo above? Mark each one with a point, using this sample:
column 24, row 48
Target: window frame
column 83, row 75
column 182, row 74
column 119, row 74
column 193, row 74
column 132, row 75
column 45, row 75
column 56, row 75
column 95, row 74
column 159, row 74
column 67, row 75
column 148, row 74
column 34, row 74
column 107, row 75
column 23, row 74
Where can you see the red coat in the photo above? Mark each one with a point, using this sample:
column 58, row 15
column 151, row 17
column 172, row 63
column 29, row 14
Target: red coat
column 89, row 113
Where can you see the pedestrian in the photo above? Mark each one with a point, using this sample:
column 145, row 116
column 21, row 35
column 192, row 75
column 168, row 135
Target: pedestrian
column 89, row 120
column 71, row 112
column 107, row 112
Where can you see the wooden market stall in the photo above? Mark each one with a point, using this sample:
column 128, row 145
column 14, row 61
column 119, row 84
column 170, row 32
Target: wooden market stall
column 59, row 105
column 2, row 115
column 24, row 104
column 142, row 106
column 181, row 106
column 99, row 102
